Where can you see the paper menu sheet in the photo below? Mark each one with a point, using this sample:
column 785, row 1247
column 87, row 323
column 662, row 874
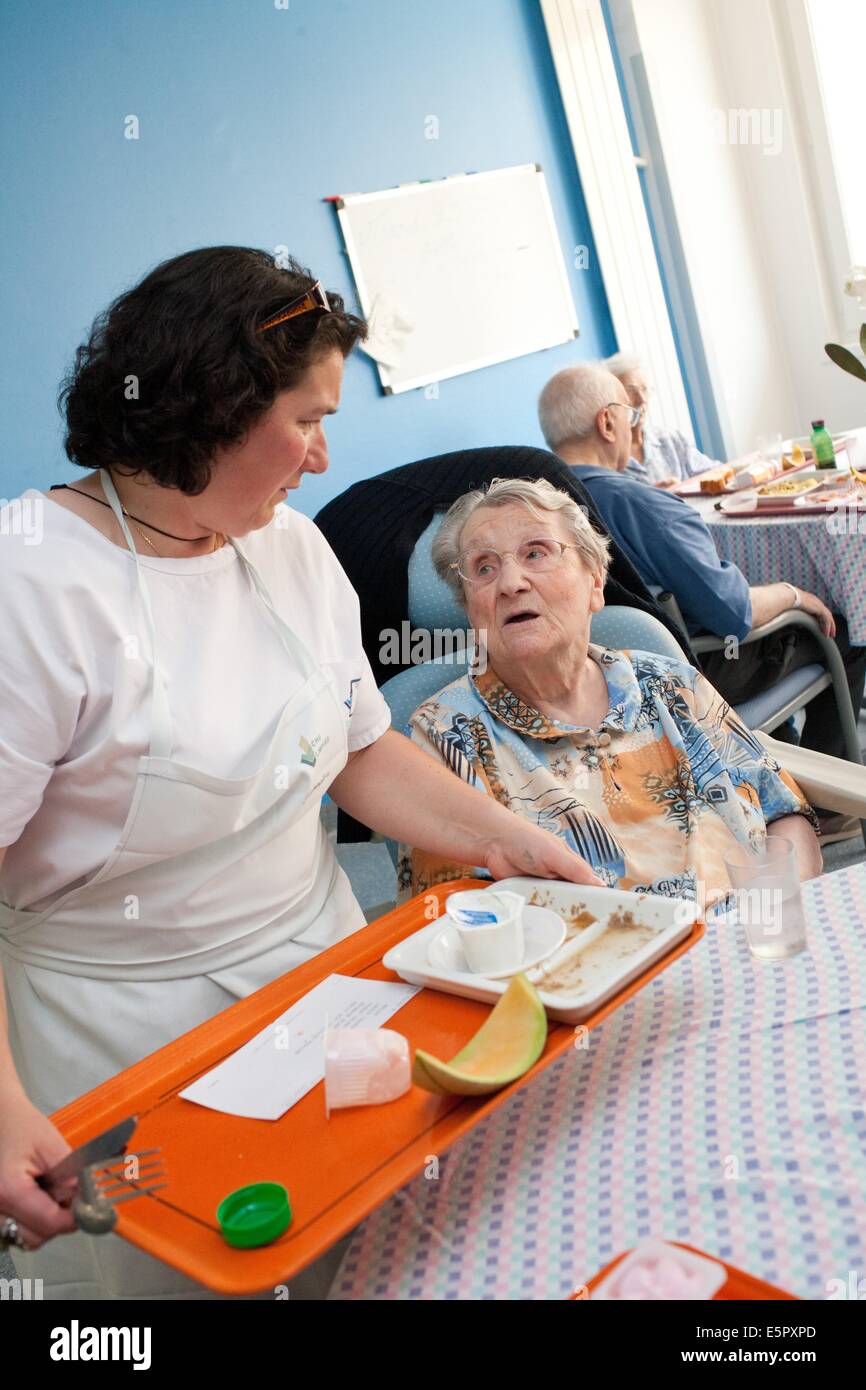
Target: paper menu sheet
column 276, row 1068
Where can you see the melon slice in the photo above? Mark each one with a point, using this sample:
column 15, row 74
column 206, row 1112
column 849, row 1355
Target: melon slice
column 505, row 1046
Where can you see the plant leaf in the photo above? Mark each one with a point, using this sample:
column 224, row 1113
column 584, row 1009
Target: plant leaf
column 845, row 359
column 863, row 337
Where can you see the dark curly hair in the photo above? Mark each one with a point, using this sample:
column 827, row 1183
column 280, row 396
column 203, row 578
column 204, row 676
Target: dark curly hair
column 174, row 369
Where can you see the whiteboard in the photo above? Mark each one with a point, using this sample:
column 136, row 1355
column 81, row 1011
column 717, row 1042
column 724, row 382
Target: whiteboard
column 457, row 274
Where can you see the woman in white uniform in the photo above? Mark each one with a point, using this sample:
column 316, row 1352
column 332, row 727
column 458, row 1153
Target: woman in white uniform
column 183, row 680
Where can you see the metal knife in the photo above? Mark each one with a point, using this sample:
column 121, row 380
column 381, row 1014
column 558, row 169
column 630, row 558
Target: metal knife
column 111, row 1144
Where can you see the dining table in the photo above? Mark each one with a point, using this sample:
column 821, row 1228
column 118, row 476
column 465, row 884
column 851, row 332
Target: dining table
column 724, row 1106
column 825, row 554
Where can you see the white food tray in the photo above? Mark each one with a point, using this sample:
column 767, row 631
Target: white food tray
column 671, row 920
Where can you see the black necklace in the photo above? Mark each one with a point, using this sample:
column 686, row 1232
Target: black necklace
column 149, row 524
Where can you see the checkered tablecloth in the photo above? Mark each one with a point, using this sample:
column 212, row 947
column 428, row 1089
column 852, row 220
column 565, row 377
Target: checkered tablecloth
column 724, row 1106
column 824, row 554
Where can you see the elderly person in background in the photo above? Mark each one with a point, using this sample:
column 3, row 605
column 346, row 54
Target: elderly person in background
column 585, row 417
column 661, row 457
column 633, row 759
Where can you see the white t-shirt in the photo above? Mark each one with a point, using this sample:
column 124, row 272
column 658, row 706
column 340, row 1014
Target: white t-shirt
column 75, row 674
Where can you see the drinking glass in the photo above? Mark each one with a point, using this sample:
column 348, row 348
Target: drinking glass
column 769, row 902
column 769, row 447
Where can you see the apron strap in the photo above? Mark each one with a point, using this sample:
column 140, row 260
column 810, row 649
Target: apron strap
column 299, row 652
column 160, row 721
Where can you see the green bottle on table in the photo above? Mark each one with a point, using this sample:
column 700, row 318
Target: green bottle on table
column 822, row 446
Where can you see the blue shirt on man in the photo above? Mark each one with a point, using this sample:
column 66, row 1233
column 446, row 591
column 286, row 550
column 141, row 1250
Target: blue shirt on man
column 669, row 545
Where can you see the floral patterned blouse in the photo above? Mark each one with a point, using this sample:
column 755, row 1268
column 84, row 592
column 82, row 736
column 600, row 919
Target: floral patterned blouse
column 652, row 799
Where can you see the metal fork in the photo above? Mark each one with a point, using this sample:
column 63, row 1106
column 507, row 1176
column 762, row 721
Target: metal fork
column 102, row 1186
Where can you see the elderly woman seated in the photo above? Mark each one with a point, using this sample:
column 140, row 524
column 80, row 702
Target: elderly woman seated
column 634, row 759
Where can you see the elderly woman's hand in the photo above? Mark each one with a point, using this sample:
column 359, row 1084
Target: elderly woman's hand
column 525, row 850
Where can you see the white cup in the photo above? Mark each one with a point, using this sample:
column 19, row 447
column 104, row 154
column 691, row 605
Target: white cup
column 489, row 946
column 365, row 1066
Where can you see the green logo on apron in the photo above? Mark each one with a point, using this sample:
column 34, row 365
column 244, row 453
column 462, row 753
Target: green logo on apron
column 307, row 754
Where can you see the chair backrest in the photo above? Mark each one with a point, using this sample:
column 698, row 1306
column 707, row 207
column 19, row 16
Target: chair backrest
column 621, row 628
column 409, row 689
column 431, row 602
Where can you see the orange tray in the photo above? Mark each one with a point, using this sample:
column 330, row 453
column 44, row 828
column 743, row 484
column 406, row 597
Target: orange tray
column 337, row 1170
column 740, row 1286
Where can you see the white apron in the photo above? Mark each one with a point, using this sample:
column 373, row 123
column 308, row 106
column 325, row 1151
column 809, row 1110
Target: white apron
column 215, row 887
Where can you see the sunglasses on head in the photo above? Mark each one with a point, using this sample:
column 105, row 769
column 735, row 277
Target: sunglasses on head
column 313, row 298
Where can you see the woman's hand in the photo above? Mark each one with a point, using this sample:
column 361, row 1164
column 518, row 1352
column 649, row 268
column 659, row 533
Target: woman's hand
column 525, row 850
column 29, row 1146
column 440, row 814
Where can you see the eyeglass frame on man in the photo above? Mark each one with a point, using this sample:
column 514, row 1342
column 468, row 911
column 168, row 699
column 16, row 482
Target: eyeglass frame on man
column 634, row 411
column 503, row 554
column 311, row 299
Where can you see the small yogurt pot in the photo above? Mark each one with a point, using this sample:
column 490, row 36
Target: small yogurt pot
column 490, row 926
column 365, row 1066
column 660, row 1271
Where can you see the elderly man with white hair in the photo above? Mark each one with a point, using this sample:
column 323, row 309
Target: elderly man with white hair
column 658, row 456
column 587, row 418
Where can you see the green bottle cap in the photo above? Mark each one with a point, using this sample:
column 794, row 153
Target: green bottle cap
column 254, row 1215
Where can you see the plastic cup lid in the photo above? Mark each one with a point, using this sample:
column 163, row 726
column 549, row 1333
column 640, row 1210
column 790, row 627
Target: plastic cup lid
column 254, row 1215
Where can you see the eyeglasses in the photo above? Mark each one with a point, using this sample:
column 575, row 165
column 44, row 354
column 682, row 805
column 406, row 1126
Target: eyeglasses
column 634, row 411
column 313, row 298
column 483, row 566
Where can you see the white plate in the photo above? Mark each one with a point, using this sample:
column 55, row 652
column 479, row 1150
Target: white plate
column 739, row 502
column 832, row 506
column 671, row 919
column 543, row 933
column 844, row 492
column 786, row 499
column 749, row 501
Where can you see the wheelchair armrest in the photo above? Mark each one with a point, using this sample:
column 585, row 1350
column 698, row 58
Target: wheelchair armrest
column 792, row 617
column 833, row 783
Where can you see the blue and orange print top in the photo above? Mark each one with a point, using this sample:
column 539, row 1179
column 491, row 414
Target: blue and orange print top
column 653, row 798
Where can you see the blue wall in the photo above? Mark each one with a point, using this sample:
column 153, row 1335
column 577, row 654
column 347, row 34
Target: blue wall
column 250, row 115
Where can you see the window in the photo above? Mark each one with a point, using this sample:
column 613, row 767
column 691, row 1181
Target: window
column 839, row 38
